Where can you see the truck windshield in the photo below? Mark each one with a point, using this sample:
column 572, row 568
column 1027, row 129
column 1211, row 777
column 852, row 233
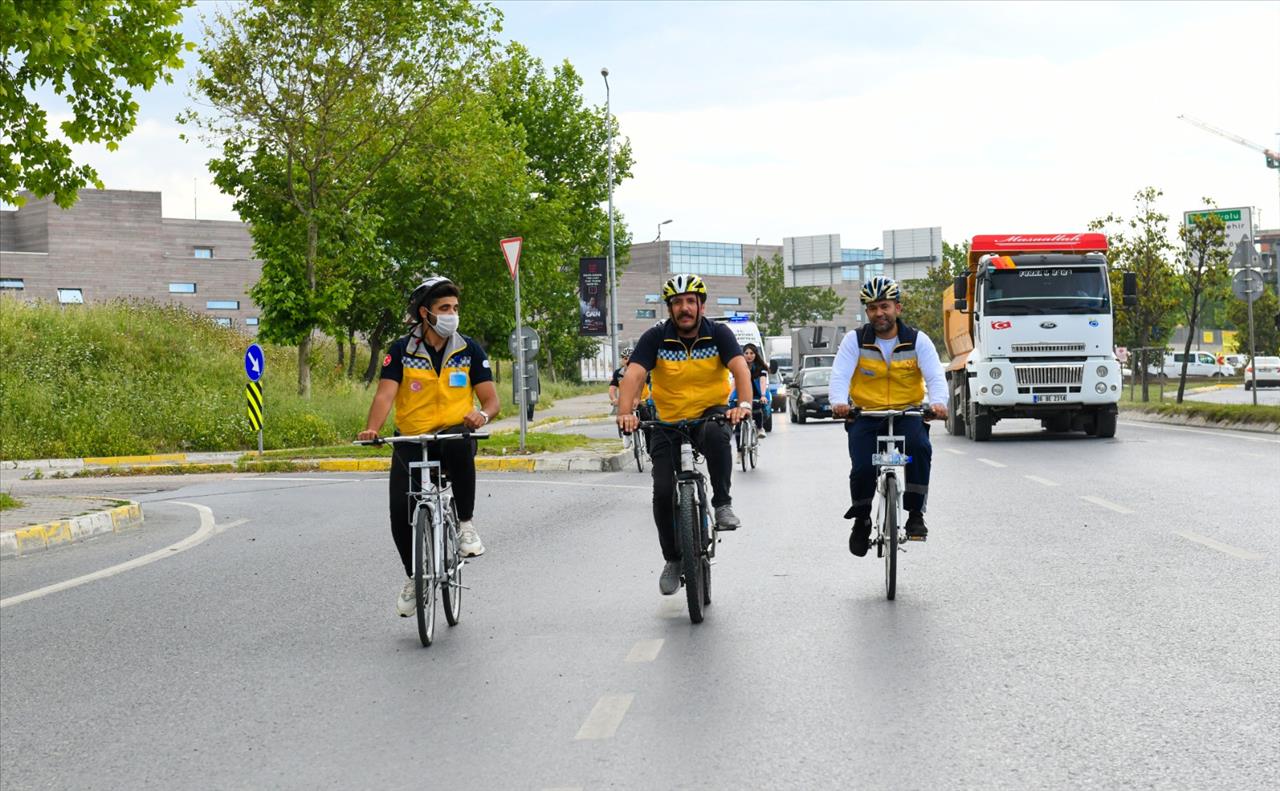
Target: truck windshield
column 1047, row 289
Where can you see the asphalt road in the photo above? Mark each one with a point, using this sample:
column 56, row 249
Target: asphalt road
column 1086, row 614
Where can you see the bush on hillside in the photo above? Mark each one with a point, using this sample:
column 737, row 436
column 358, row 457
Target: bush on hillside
column 132, row 377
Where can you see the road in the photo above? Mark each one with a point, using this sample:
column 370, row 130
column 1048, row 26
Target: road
column 1086, row 613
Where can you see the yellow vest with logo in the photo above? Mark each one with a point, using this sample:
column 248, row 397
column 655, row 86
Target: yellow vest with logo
column 687, row 379
column 427, row 400
column 878, row 383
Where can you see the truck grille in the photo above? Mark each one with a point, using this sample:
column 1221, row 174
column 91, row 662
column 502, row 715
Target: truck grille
column 1049, row 374
column 1037, row 348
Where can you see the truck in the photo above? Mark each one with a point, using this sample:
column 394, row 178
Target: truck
column 1029, row 333
column 814, row 345
column 777, row 350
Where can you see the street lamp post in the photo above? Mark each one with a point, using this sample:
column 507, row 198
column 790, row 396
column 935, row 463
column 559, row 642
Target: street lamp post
column 664, row 222
column 613, row 295
column 755, row 253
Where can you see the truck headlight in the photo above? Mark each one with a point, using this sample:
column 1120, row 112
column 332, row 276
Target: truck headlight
column 997, row 389
column 995, row 374
column 1100, row 387
column 1102, row 370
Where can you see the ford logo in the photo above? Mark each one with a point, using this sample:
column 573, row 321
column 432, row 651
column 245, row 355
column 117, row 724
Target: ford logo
column 1048, row 325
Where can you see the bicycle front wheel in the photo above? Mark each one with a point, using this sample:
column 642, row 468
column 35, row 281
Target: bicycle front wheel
column 690, row 551
column 424, row 576
column 639, row 449
column 890, row 537
column 753, row 448
column 741, row 435
column 451, row 585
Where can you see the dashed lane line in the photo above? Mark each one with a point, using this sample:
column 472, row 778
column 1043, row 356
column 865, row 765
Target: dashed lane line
column 991, row 462
column 1119, row 509
column 605, row 717
column 957, row 452
column 207, row 530
column 645, row 650
column 1041, row 481
column 565, row 483
column 1243, row 554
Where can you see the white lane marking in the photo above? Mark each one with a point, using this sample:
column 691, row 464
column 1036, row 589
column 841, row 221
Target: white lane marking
column 1039, row 480
column 605, row 717
column 309, row 480
column 207, row 530
column 671, row 607
column 992, row 463
column 1256, row 455
column 1119, row 509
column 565, row 483
column 953, row 450
column 645, row 650
column 1243, row 554
column 1212, row 433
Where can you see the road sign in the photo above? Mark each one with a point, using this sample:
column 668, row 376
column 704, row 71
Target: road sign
column 1238, row 228
column 511, row 252
column 531, row 341
column 1247, row 284
column 254, row 362
column 253, row 397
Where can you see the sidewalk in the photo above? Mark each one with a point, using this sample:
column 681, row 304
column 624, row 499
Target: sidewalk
column 44, row 521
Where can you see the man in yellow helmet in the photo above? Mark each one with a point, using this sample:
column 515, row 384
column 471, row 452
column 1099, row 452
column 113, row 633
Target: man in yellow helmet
column 690, row 358
column 886, row 364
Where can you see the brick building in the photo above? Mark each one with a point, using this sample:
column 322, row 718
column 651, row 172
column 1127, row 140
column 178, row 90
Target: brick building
column 116, row 243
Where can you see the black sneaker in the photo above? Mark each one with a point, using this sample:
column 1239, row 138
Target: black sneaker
column 916, row 531
column 860, row 536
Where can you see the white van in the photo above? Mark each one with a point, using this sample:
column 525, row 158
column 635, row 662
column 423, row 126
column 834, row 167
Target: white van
column 1200, row 364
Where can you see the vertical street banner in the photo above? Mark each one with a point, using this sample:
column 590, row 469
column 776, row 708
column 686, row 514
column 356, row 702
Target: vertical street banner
column 593, row 311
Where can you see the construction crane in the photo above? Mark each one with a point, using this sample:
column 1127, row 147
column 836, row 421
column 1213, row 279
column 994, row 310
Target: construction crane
column 1273, row 157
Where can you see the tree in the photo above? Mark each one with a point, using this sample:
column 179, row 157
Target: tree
column 1203, row 261
column 1140, row 244
column 779, row 306
column 922, row 297
column 94, row 53
column 1266, row 334
column 322, row 95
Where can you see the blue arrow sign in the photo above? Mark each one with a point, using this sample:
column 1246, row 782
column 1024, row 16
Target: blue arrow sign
column 254, row 362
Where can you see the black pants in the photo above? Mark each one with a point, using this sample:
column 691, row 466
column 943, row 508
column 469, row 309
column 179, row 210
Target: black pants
column 459, row 461
column 712, row 440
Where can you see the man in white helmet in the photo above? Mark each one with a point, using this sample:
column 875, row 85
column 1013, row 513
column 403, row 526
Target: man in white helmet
column 433, row 377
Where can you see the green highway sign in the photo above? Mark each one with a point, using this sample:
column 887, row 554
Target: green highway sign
column 1227, row 215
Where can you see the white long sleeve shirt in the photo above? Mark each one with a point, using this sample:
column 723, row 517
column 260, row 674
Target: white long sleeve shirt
column 935, row 378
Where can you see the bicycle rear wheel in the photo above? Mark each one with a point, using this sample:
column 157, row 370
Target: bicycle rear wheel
column 890, row 537
column 451, row 585
column 691, row 560
column 423, row 576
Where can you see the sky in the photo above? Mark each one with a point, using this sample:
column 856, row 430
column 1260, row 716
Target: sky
column 769, row 120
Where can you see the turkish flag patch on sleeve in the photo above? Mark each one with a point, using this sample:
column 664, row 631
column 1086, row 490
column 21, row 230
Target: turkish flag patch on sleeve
column 386, row 361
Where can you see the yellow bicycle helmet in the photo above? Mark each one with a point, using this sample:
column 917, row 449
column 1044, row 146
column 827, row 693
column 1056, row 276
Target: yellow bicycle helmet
column 684, row 284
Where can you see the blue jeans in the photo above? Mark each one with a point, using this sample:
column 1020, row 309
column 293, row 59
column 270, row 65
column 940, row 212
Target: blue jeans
column 862, row 478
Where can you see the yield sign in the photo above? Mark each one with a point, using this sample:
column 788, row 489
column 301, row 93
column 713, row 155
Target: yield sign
column 511, row 252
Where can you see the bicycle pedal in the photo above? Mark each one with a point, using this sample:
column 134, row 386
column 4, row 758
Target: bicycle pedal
column 921, row 539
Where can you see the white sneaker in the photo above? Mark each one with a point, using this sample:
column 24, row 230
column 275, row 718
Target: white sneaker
column 626, row 442
column 406, row 602
column 760, row 434
column 469, row 540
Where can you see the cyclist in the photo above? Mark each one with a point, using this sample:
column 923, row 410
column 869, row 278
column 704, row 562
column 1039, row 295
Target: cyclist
column 432, row 377
column 886, row 364
column 642, row 407
column 759, row 388
column 690, row 357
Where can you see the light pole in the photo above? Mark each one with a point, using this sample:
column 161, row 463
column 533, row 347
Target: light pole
column 664, row 222
column 755, row 298
column 613, row 295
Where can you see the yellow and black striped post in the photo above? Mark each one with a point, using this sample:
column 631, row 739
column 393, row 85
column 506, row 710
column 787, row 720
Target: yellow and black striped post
column 253, row 397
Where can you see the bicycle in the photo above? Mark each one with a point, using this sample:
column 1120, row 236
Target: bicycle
column 695, row 529
column 890, row 461
column 437, row 563
column 746, row 438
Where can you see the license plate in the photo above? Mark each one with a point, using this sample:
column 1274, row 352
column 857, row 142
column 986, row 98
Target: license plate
column 1048, row 399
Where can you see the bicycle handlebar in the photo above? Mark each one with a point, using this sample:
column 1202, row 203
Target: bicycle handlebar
column 423, row 438
column 684, row 424
column 857, row 412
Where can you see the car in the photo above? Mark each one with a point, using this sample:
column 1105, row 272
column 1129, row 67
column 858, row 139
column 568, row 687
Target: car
column 807, row 395
column 1265, row 369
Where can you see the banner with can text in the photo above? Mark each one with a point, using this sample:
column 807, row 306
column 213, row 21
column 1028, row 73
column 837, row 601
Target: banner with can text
column 593, row 308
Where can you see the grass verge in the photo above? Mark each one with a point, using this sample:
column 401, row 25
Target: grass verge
column 501, row 443
column 7, row 502
column 1249, row 414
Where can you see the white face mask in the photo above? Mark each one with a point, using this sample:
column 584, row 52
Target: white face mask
column 446, row 324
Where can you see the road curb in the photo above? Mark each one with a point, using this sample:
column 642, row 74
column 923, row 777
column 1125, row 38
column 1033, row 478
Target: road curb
column 1195, row 421
column 37, row 538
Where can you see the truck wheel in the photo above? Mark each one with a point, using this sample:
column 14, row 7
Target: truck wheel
column 955, row 422
column 977, row 424
column 1104, row 425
